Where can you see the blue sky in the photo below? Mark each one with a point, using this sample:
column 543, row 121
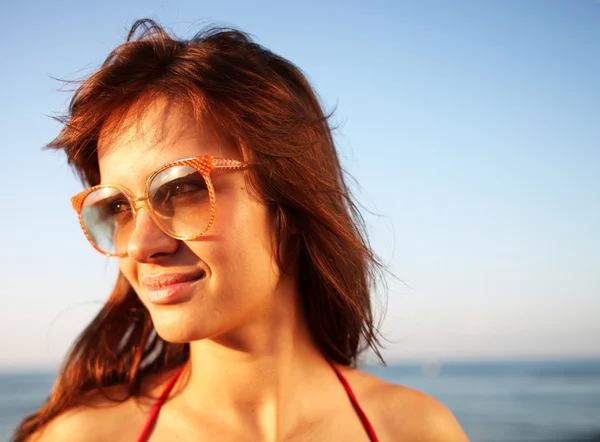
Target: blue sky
column 471, row 127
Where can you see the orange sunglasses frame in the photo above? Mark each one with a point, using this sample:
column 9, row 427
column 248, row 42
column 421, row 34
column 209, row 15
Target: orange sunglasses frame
column 203, row 164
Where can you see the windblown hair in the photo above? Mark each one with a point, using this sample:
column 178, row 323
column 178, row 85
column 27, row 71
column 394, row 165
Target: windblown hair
column 265, row 105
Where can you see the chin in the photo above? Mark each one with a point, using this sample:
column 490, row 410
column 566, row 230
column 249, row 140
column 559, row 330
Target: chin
column 180, row 335
column 178, row 329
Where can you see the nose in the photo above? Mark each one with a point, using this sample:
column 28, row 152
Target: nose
column 148, row 242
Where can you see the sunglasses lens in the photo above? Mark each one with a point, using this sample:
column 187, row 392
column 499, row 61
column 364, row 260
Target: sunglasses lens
column 181, row 201
column 108, row 219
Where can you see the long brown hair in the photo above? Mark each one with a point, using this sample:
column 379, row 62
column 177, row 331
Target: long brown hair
column 268, row 108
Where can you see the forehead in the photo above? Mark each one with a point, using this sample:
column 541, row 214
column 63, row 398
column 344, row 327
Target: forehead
column 151, row 133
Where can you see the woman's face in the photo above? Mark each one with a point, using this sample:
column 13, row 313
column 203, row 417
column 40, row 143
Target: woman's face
column 229, row 275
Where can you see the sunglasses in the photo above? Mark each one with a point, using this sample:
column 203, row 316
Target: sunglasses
column 179, row 197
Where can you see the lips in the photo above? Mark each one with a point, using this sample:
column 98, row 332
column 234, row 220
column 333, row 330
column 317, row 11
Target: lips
column 166, row 279
column 170, row 288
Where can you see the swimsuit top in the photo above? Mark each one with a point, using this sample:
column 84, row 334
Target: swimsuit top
column 161, row 400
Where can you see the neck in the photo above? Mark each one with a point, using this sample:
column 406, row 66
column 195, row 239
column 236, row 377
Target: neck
column 252, row 373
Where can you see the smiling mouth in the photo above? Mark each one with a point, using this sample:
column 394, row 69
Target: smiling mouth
column 170, row 288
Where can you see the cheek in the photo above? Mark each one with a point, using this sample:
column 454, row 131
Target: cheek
column 129, row 269
column 244, row 254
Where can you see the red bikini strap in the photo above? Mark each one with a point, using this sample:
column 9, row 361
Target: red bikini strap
column 361, row 414
column 156, row 408
column 163, row 397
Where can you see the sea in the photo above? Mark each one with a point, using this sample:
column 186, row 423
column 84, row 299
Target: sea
column 541, row 401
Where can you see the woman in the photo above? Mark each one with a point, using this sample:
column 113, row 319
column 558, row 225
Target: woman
column 243, row 294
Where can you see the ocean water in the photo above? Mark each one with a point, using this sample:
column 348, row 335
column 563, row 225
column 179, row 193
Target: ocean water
column 495, row 402
column 507, row 401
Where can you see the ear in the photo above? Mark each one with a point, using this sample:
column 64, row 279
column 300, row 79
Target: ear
column 286, row 239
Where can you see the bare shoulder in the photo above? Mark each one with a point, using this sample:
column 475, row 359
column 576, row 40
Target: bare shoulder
column 109, row 416
column 425, row 418
column 402, row 413
column 83, row 423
